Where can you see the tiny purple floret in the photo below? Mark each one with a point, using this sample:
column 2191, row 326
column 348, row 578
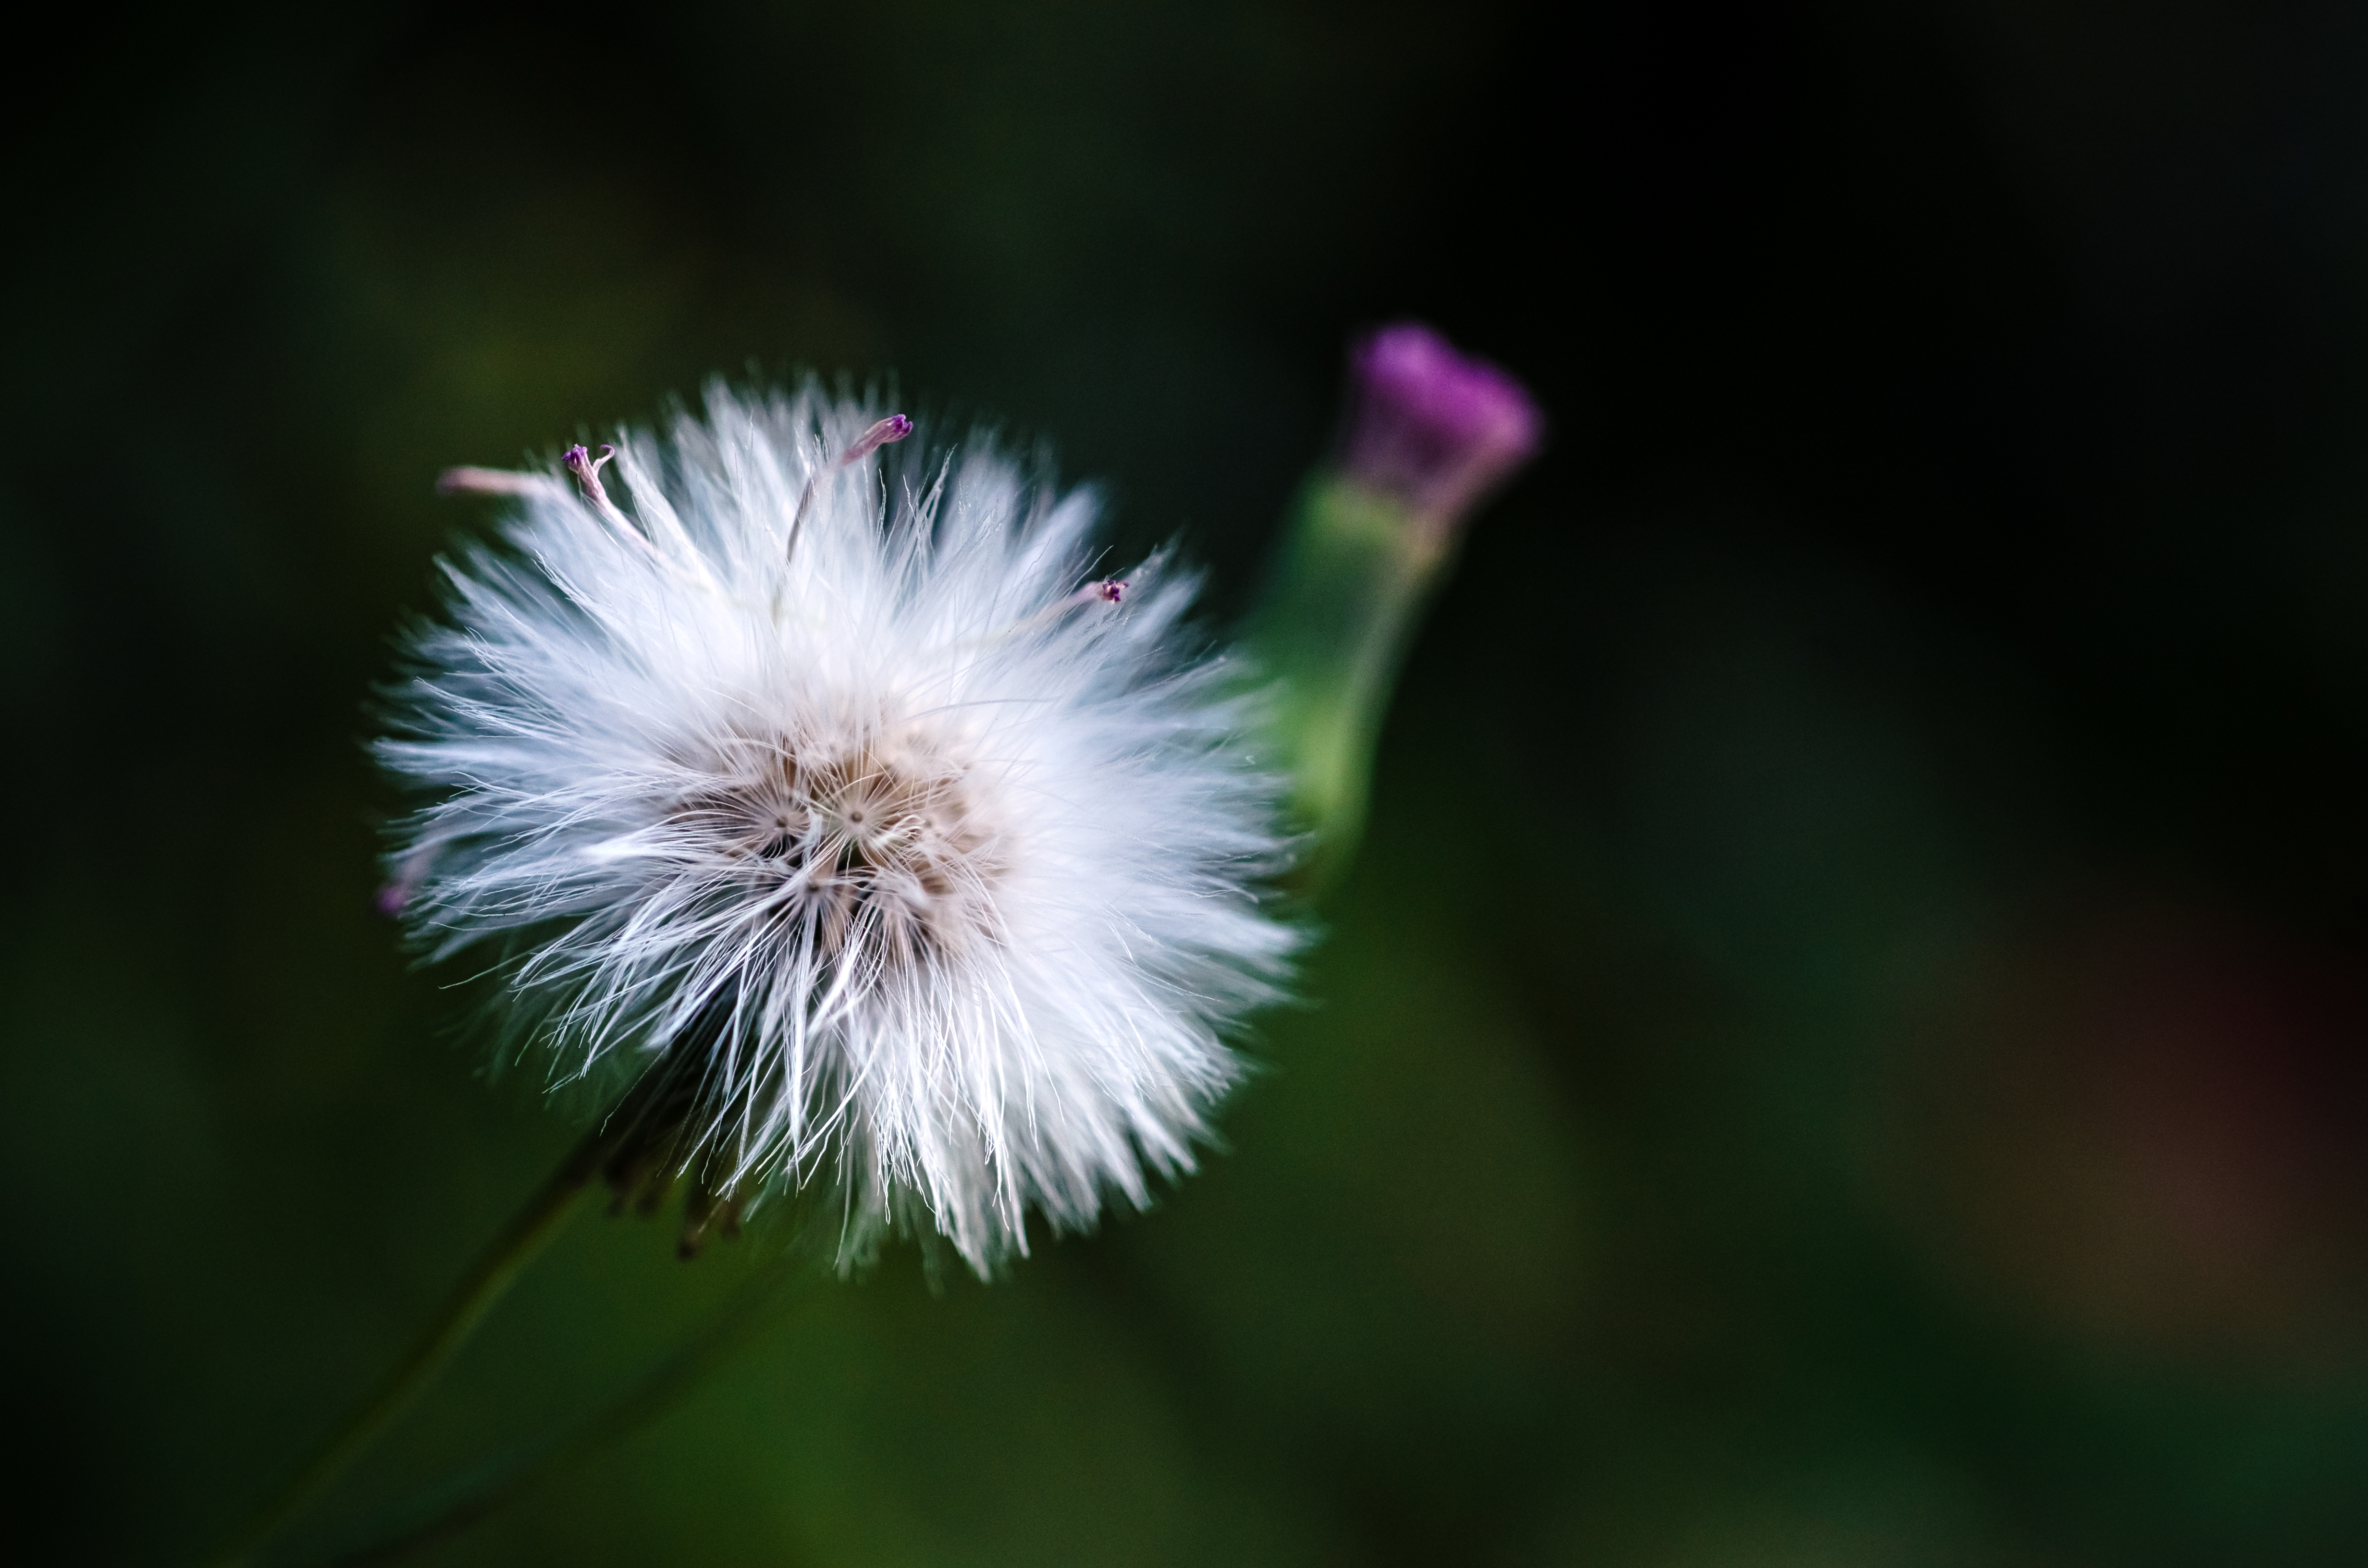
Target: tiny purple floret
column 580, row 463
column 889, row 431
column 1108, row 591
column 1434, row 428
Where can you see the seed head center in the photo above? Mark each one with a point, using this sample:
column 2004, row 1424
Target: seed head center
column 873, row 848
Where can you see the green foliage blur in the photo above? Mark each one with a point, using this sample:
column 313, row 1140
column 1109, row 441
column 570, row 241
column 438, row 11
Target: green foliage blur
column 1844, row 1045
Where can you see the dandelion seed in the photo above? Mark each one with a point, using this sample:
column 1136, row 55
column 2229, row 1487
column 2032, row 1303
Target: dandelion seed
column 836, row 818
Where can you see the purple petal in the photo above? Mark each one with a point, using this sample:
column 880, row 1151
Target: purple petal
column 1431, row 426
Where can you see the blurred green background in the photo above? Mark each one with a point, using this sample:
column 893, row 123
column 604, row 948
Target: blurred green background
column 1845, row 1045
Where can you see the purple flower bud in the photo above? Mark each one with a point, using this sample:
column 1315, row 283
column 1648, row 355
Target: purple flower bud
column 1430, row 428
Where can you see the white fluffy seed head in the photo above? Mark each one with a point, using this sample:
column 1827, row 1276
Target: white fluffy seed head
column 824, row 798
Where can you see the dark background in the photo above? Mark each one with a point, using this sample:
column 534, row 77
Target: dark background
column 1845, row 1046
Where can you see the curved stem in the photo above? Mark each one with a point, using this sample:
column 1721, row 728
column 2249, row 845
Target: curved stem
column 497, row 1269
column 462, row 1499
column 1328, row 631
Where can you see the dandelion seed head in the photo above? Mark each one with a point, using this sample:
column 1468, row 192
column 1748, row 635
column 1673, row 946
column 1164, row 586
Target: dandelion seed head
column 830, row 806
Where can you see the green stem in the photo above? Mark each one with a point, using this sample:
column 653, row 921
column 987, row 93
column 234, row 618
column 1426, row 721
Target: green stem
column 1341, row 606
column 462, row 1499
column 495, row 1270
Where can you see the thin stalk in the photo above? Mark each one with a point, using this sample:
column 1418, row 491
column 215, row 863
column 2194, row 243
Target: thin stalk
column 462, row 1498
column 497, row 1269
column 1328, row 633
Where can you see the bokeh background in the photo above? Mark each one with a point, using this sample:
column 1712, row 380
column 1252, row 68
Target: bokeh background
column 1845, row 1045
